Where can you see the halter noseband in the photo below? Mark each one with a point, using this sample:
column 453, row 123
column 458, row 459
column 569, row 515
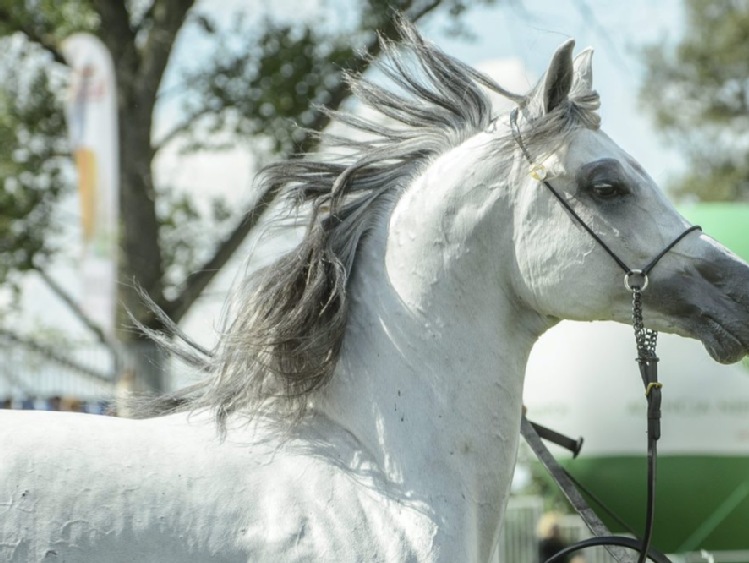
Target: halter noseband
column 635, row 280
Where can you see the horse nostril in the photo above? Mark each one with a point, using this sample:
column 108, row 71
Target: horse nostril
column 721, row 267
column 730, row 275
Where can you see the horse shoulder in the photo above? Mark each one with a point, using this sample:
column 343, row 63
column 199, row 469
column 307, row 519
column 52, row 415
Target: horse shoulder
column 324, row 498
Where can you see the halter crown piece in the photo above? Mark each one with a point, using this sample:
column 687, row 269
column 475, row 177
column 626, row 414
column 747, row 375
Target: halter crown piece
column 636, row 281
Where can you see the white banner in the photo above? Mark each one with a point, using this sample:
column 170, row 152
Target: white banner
column 92, row 122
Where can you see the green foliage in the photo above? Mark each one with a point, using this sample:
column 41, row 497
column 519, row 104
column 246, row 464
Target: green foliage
column 33, row 140
column 266, row 85
column 46, row 22
column 186, row 233
column 33, row 159
column 699, row 94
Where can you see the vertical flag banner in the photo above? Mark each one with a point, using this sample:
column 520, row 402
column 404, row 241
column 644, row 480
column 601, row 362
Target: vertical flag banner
column 92, row 123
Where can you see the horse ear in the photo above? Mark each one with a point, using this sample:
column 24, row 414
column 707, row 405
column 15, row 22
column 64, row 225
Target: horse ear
column 555, row 85
column 582, row 81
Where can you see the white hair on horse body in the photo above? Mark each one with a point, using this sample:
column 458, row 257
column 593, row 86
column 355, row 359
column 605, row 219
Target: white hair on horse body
column 290, row 317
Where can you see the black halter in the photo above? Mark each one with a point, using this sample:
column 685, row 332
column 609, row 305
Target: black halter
column 635, row 280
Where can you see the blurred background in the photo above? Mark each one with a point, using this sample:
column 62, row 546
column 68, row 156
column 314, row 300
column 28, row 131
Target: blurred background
column 130, row 135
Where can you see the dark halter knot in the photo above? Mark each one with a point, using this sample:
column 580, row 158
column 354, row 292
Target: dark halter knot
column 635, row 280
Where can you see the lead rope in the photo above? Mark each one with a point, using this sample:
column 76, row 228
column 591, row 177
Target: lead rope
column 647, row 360
column 635, row 280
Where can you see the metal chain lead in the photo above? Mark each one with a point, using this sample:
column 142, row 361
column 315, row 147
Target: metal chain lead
column 646, row 339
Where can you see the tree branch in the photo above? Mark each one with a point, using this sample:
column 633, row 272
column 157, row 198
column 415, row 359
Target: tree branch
column 168, row 19
column 116, row 33
column 33, row 36
column 389, row 30
column 52, row 354
column 422, row 11
column 198, row 281
column 180, row 128
column 80, row 314
column 145, row 19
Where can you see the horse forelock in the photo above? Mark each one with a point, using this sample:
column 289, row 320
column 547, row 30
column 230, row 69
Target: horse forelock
column 289, row 319
column 554, row 129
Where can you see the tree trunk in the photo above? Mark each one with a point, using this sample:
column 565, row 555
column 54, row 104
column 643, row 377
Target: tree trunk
column 139, row 69
column 146, row 367
column 140, row 258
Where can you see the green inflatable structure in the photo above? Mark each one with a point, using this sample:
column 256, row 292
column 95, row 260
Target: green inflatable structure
column 582, row 380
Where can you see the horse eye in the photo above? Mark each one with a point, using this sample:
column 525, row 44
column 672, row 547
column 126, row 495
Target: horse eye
column 607, row 190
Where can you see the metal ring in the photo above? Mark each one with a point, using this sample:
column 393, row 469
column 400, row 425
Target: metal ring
column 635, row 273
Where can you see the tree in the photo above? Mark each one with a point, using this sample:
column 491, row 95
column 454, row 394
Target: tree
column 259, row 82
column 698, row 91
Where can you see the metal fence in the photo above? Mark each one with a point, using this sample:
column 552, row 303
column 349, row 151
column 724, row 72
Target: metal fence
column 43, row 375
column 518, row 541
column 29, row 371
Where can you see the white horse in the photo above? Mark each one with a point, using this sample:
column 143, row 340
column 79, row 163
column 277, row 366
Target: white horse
column 365, row 403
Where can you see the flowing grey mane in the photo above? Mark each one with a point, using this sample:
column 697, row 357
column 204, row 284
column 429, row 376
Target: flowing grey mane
column 286, row 337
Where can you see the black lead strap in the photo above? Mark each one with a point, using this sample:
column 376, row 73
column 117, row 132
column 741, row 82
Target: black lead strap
column 615, row 545
column 635, row 280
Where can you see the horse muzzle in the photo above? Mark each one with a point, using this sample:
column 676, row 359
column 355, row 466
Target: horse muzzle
column 707, row 298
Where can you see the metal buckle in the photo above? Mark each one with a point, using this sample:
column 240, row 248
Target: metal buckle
column 635, row 286
column 538, row 172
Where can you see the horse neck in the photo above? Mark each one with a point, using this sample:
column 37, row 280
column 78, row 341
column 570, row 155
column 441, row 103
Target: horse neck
column 431, row 373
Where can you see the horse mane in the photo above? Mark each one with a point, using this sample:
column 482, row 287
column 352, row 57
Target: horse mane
column 285, row 338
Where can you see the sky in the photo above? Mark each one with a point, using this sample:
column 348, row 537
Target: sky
column 508, row 35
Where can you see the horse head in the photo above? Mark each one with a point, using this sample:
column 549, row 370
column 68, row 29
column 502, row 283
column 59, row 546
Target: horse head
column 698, row 289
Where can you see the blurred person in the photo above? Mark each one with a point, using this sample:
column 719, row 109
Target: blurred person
column 550, row 540
column 70, row 404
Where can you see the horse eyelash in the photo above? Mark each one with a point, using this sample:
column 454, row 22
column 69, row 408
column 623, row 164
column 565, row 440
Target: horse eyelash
column 620, row 188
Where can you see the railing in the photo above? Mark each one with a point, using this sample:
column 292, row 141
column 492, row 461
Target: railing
column 519, row 542
column 81, row 377
column 28, row 373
